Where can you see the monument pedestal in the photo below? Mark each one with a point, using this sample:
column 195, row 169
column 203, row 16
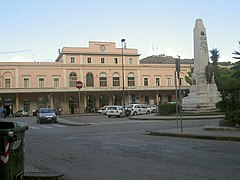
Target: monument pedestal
column 201, row 101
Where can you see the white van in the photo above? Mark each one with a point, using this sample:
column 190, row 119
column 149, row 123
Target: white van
column 115, row 111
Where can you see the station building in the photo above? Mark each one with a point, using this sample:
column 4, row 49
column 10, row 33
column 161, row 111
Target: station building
column 110, row 76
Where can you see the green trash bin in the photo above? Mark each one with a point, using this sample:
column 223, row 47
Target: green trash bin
column 12, row 150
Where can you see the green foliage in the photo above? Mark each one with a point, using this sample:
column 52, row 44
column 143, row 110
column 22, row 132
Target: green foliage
column 235, row 116
column 167, row 108
column 237, row 53
column 220, row 105
column 214, row 56
column 236, row 67
column 229, row 87
column 212, row 67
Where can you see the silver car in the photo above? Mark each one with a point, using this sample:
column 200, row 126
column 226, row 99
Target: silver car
column 46, row 115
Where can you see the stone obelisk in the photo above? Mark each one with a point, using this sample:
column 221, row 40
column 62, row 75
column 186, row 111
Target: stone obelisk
column 202, row 96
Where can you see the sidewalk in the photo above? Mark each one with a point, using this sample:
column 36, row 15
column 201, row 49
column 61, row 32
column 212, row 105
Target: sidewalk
column 210, row 132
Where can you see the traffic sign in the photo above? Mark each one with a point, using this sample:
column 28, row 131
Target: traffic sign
column 79, row 84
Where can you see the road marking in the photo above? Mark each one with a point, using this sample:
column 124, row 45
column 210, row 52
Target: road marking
column 119, row 122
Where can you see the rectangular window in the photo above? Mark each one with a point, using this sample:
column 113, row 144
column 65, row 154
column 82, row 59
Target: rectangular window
column 145, row 81
column 72, row 59
column 131, row 81
column 7, row 83
column 102, row 60
column 103, row 81
column 169, row 81
column 158, row 82
column 41, row 82
column 56, row 82
column 26, row 82
column 116, row 60
column 89, row 60
column 130, row 60
column 116, row 81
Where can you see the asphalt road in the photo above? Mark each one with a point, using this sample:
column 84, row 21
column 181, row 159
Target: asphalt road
column 119, row 148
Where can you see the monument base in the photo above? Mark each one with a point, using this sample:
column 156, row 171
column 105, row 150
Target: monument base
column 201, row 102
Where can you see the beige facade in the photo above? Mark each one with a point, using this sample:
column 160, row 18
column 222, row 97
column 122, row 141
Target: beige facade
column 31, row 85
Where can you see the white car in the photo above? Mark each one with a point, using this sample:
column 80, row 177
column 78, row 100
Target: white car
column 137, row 109
column 104, row 110
column 115, row 111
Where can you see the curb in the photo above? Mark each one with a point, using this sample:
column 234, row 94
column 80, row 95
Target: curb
column 175, row 118
column 42, row 176
column 196, row 136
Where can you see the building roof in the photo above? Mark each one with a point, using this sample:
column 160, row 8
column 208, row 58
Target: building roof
column 163, row 59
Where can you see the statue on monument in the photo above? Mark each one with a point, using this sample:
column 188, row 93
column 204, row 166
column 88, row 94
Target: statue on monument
column 202, row 96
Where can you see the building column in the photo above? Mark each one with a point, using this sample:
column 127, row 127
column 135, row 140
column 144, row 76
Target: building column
column 157, row 99
column 51, row 100
column 65, row 105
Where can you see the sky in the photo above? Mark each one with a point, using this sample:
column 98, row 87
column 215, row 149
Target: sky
column 34, row 30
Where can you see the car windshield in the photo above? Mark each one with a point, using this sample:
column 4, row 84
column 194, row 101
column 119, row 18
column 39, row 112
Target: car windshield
column 112, row 108
column 129, row 106
column 46, row 111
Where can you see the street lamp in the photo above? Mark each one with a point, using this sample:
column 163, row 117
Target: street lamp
column 123, row 90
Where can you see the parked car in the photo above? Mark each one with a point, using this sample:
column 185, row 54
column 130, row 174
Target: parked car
column 137, row 109
column 104, row 110
column 46, row 115
column 117, row 111
column 21, row 113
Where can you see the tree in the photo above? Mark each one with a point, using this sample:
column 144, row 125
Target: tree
column 236, row 67
column 228, row 85
column 212, row 67
column 237, row 53
column 214, row 56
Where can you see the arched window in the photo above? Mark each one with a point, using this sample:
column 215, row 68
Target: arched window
column 116, row 80
column 103, row 79
column 89, row 80
column 131, row 80
column 72, row 79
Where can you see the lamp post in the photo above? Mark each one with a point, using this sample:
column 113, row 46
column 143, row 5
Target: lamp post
column 123, row 90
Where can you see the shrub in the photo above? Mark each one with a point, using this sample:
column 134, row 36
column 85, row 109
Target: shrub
column 235, row 116
column 166, row 109
column 220, row 106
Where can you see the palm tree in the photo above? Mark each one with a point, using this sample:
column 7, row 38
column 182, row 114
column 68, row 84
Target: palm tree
column 237, row 53
column 215, row 56
column 211, row 68
column 236, row 67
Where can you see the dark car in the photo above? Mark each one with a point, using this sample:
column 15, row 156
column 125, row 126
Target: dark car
column 21, row 113
column 46, row 115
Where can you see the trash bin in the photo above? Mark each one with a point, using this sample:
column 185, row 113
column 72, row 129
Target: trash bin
column 12, row 150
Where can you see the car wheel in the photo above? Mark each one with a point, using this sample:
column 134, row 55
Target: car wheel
column 109, row 116
column 148, row 112
column 135, row 113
